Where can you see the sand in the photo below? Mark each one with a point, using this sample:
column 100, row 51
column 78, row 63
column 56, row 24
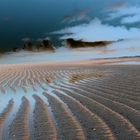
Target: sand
column 86, row 100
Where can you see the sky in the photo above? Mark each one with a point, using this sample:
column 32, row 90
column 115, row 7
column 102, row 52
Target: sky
column 90, row 20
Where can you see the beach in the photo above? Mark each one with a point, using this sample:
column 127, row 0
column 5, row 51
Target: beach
column 94, row 99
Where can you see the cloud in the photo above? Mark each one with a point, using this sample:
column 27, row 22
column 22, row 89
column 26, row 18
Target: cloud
column 97, row 31
column 77, row 16
column 116, row 6
column 131, row 19
column 25, row 39
column 118, row 49
column 128, row 14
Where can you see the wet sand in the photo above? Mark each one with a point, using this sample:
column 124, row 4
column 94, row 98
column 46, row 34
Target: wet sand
column 86, row 100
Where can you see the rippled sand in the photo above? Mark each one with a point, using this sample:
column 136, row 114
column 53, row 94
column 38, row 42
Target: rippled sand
column 75, row 101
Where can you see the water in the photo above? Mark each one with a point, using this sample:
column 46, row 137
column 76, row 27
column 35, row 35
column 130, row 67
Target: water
column 37, row 18
column 129, row 63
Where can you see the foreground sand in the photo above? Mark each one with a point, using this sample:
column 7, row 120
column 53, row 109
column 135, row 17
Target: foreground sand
column 70, row 102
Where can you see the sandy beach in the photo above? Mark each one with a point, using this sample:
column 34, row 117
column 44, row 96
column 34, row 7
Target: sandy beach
column 95, row 99
column 70, row 70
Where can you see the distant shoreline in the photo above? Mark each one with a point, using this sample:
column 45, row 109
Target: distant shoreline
column 99, row 61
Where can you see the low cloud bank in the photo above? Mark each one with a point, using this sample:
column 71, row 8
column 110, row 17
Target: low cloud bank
column 118, row 49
